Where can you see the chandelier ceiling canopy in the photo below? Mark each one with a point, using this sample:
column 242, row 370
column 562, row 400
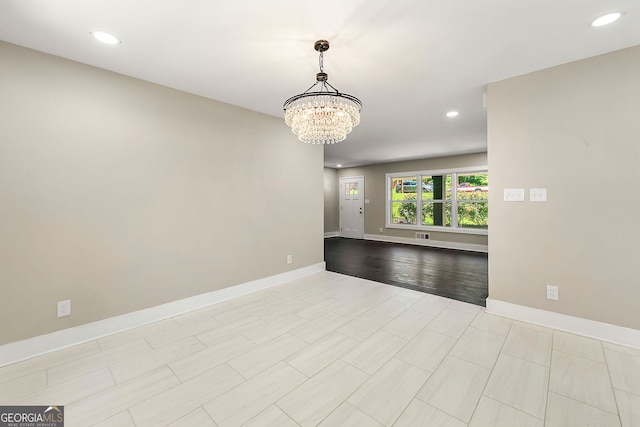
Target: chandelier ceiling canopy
column 322, row 115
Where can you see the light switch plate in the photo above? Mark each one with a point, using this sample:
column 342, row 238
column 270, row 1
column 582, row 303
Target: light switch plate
column 514, row 194
column 537, row 194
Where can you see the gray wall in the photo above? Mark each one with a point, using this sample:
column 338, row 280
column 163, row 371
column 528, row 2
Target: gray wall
column 574, row 130
column 331, row 204
column 375, row 191
column 121, row 195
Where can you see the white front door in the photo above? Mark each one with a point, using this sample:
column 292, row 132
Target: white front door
column 352, row 207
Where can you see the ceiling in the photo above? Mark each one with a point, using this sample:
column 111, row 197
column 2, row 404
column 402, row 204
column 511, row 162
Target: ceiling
column 409, row 61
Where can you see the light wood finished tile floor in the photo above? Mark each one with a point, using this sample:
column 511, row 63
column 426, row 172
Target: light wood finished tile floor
column 334, row 350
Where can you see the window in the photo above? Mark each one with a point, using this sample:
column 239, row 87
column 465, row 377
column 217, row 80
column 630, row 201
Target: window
column 351, row 189
column 431, row 193
column 403, row 199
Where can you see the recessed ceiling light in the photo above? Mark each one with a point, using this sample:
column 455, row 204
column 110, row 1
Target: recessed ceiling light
column 105, row 37
column 452, row 114
column 338, row 166
column 606, row 19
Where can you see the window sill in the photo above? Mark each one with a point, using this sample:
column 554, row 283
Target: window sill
column 438, row 229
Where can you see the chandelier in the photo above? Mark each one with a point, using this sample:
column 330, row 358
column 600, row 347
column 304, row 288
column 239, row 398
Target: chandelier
column 320, row 115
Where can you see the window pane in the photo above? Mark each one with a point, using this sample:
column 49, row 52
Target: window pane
column 436, row 213
column 351, row 188
column 403, row 212
column 404, row 188
column 427, row 188
column 436, row 187
column 473, row 215
column 473, row 186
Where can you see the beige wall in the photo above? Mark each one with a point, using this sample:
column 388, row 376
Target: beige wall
column 120, row 194
column 574, row 130
column 375, row 191
column 331, row 205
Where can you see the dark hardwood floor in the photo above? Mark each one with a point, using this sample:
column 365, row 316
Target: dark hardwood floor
column 459, row 275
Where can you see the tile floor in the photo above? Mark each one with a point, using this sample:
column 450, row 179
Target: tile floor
column 333, row 350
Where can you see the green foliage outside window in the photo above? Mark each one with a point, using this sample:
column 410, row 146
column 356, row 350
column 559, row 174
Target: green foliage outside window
column 408, row 212
column 470, row 214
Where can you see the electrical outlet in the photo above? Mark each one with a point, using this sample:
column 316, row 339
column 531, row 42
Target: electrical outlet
column 552, row 292
column 381, row 229
column 289, row 259
column 64, row 308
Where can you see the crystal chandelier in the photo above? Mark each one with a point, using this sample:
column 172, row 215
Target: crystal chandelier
column 322, row 116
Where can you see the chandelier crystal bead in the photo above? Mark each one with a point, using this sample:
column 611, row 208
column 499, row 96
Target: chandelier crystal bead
column 323, row 116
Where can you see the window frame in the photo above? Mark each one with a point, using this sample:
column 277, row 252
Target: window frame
column 389, row 177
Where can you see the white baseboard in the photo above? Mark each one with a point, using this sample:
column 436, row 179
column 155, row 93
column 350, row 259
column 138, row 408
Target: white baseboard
column 36, row 346
column 331, row 234
column 562, row 322
column 432, row 243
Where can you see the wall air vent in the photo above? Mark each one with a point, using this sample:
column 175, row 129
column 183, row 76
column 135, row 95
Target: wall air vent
column 422, row 236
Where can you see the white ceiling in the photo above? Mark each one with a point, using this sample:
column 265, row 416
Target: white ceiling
column 409, row 61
